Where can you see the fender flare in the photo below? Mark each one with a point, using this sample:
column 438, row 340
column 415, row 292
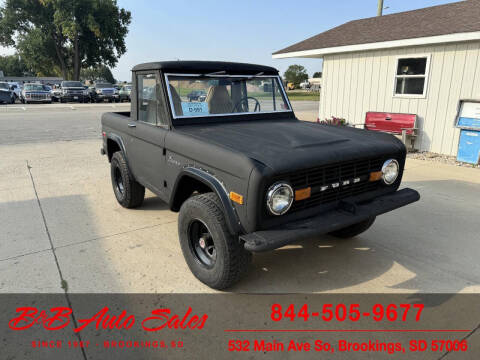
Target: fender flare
column 118, row 139
column 231, row 217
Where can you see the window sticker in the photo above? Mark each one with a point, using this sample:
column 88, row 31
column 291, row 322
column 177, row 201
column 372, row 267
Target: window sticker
column 194, row 108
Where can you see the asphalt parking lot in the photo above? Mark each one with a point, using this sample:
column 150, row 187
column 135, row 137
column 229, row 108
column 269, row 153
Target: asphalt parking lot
column 61, row 225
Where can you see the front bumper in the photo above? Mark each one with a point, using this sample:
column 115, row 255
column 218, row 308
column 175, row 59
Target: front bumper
column 346, row 214
column 33, row 100
column 107, row 96
column 74, row 97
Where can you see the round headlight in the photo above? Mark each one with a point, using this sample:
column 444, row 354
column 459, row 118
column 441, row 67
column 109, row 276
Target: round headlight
column 390, row 170
column 279, row 198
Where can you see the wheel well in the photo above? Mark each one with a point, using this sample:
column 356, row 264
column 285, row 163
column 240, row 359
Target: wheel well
column 185, row 188
column 112, row 147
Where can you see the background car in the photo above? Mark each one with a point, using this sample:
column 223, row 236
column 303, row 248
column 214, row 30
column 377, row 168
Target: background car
column 7, row 95
column 33, row 92
column 73, row 91
column 195, row 94
column 105, row 91
column 124, row 93
column 305, row 85
column 55, row 92
column 17, row 89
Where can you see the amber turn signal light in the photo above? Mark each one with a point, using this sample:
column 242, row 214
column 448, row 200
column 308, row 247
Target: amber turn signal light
column 375, row 176
column 303, row 194
column 236, row 197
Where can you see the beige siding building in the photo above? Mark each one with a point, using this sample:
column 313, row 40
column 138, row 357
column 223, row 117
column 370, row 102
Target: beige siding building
column 381, row 64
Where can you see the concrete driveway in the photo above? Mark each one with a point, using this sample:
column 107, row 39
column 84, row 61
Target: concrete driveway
column 61, row 226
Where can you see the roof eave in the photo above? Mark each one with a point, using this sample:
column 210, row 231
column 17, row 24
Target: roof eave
column 438, row 39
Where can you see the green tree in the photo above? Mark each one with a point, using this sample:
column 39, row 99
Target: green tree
column 67, row 35
column 295, row 74
column 101, row 72
column 317, row 74
column 13, row 65
column 38, row 52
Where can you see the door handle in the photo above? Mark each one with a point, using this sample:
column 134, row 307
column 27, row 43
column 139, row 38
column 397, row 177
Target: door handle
column 132, row 125
column 388, row 118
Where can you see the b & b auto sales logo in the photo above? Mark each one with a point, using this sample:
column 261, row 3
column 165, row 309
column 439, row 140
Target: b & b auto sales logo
column 60, row 317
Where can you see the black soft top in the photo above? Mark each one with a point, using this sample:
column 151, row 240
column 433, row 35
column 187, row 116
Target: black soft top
column 205, row 67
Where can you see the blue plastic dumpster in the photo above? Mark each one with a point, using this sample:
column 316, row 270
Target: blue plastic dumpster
column 468, row 120
column 469, row 146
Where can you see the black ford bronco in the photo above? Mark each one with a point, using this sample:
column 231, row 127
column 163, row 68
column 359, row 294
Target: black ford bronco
column 245, row 174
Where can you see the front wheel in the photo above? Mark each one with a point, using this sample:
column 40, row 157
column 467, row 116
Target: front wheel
column 214, row 256
column 354, row 230
column 128, row 191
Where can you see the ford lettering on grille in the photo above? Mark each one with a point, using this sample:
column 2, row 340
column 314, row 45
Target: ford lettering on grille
column 334, row 182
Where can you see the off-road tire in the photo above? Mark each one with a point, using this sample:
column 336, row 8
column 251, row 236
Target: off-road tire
column 354, row 230
column 133, row 192
column 232, row 260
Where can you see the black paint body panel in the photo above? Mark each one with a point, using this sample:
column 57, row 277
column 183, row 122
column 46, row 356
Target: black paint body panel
column 245, row 154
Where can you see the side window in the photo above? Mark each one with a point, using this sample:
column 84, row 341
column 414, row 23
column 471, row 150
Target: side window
column 147, row 98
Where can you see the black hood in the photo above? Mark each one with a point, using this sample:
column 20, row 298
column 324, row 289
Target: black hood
column 289, row 144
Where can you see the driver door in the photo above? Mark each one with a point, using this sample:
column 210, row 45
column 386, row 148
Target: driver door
column 146, row 138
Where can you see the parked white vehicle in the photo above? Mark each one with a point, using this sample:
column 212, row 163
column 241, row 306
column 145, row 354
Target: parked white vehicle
column 304, row 85
column 35, row 93
column 17, row 89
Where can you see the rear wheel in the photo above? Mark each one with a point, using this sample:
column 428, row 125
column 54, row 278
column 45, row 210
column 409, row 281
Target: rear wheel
column 214, row 256
column 128, row 191
column 354, row 230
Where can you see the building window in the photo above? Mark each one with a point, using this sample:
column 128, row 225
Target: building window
column 411, row 76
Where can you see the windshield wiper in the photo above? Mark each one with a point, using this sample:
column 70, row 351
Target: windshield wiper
column 216, row 73
column 247, row 77
column 252, row 76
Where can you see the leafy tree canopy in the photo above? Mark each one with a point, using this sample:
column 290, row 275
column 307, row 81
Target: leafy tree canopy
column 317, row 74
column 101, row 72
column 13, row 65
column 295, row 74
column 64, row 36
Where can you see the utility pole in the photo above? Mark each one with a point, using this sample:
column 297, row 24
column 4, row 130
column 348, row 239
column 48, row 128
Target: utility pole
column 380, row 8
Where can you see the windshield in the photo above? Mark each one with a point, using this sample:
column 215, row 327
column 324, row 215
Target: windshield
column 202, row 96
column 72, row 84
column 34, row 87
column 103, row 86
column 4, row 86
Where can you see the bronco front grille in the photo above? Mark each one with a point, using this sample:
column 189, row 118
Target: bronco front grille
column 355, row 173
